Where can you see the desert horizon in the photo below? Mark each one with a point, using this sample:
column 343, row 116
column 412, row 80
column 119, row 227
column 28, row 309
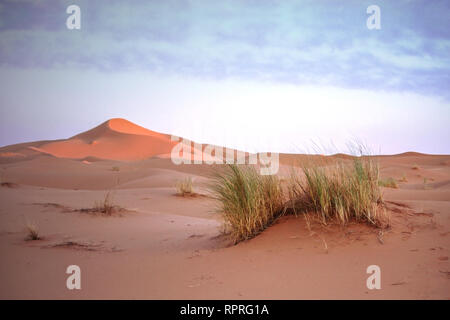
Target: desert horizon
column 123, row 125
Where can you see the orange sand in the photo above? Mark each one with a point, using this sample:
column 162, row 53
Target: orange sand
column 169, row 247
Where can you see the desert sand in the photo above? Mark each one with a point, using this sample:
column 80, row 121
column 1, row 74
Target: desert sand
column 163, row 246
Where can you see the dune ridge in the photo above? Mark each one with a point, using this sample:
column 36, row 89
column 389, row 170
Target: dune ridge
column 115, row 139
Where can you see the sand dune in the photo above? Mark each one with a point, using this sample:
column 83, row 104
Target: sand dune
column 116, row 139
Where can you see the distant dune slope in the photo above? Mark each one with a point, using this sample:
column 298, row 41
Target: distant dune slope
column 116, row 139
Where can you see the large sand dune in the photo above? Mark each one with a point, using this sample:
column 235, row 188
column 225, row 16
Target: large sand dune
column 116, row 139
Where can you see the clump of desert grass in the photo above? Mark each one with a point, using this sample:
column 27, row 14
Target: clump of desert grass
column 249, row 202
column 185, row 188
column 415, row 167
column 327, row 190
column 32, row 232
column 115, row 169
column 340, row 192
column 403, row 178
column 388, row 183
column 105, row 206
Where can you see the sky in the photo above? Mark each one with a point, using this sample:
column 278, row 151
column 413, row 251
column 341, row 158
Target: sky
column 257, row 75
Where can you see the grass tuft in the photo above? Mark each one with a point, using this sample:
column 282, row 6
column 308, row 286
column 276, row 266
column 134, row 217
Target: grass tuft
column 185, row 188
column 249, row 202
column 340, row 192
column 403, row 179
column 32, row 232
column 106, row 206
column 426, row 186
column 388, row 183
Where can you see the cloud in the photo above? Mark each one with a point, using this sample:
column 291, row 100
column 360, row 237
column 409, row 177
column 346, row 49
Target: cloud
column 299, row 42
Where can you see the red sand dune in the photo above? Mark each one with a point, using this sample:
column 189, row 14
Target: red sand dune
column 117, row 139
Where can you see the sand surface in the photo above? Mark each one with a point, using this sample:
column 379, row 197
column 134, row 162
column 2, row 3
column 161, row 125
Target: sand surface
column 162, row 246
